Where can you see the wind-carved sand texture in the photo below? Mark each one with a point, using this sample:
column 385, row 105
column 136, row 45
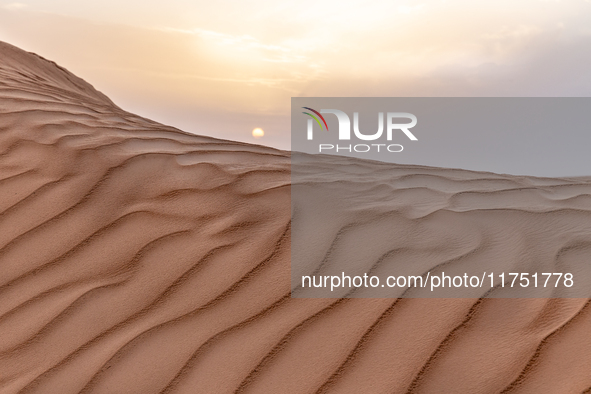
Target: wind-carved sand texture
column 135, row 258
column 426, row 222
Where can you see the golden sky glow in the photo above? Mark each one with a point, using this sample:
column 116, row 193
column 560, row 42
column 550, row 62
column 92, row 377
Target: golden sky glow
column 222, row 68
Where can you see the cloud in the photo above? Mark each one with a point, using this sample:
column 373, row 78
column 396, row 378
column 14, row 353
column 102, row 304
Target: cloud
column 244, row 43
column 14, row 6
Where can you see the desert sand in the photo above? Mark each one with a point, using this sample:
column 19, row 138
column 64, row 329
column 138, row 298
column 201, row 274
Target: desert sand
column 136, row 258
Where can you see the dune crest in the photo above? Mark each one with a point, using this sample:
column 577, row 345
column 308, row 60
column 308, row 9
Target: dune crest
column 136, row 258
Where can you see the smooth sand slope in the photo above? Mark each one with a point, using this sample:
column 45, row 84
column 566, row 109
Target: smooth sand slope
column 135, row 258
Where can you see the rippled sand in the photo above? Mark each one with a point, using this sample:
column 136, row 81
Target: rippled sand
column 136, row 258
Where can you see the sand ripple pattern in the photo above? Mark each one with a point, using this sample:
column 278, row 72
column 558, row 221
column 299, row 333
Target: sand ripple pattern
column 384, row 219
column 135, row 258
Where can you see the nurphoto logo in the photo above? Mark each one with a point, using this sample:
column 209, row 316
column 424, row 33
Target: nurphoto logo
column 344, row 130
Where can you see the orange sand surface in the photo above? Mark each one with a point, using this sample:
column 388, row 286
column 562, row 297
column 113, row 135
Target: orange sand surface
column 136, row 258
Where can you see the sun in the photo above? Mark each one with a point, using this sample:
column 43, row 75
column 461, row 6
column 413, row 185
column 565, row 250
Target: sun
column 258, row 133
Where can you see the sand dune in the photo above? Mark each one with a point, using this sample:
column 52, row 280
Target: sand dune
column 386, row 219
column 135, row 258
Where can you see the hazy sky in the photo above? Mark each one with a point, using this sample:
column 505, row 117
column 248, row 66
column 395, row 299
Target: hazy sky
column 222, row 68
